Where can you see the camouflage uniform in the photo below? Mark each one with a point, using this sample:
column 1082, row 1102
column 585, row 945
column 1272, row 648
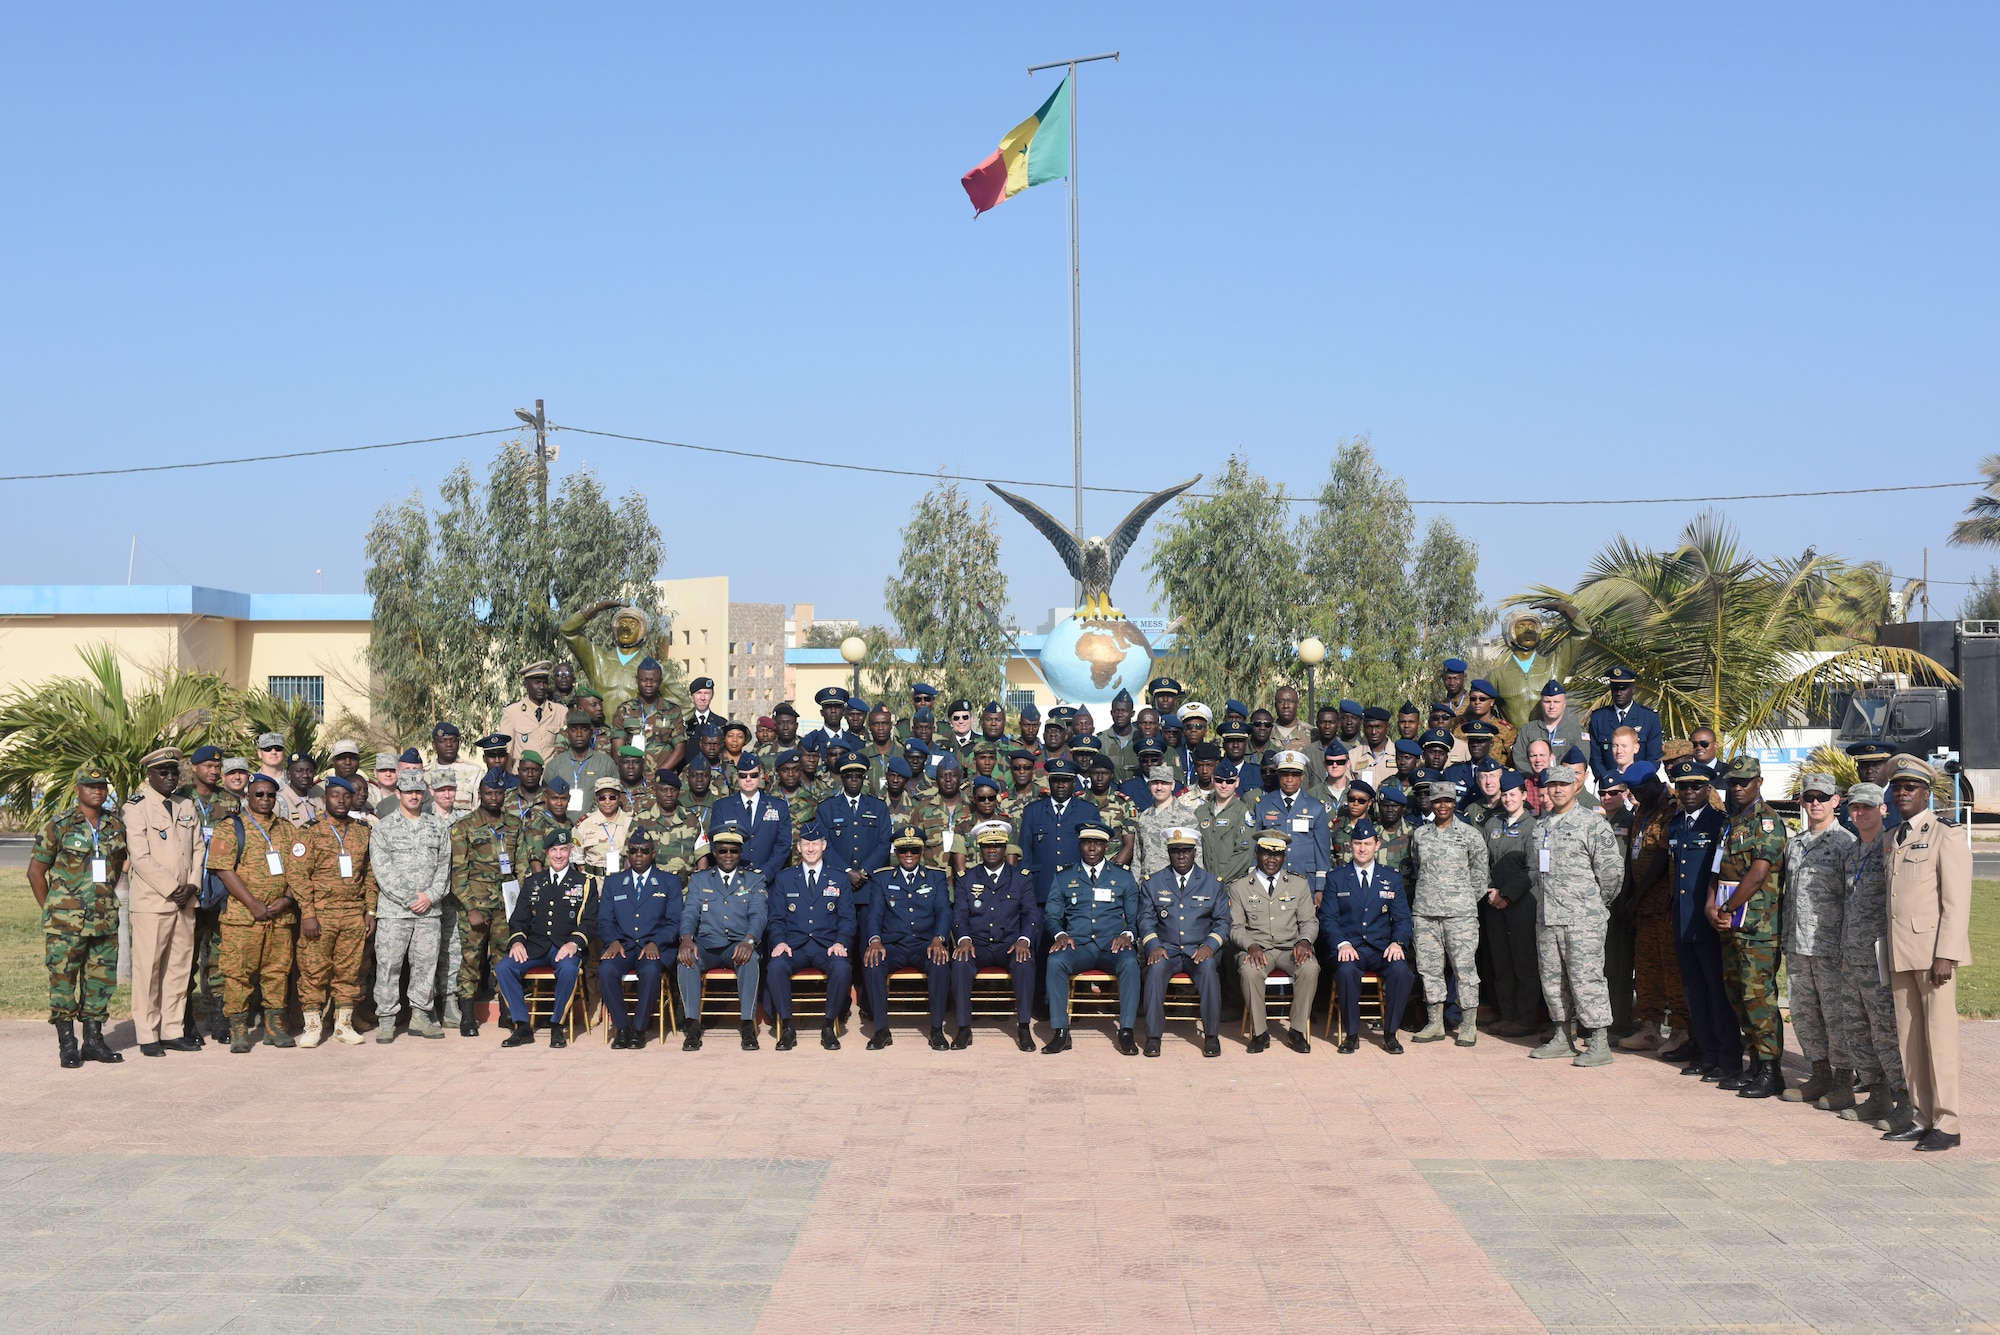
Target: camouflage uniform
column 902, row 811
column 968, row 820
column 256, row 953
column 1395, row 850
column 539, row 825
column 1656, row 971
column 80, row 918
column 677, row 842
column 1013, row 802
column 1119, row 814
column 934, row 819
column 803, row 805
column 1572, row 907
column 332, row 963
column 486, row 854
column 1451, row 879
column 1815, row 896
column 205, row 984
column 659, row 723
column 1149, row 843
column 1868, row 1008
column 410, row 859
column 1750, row 953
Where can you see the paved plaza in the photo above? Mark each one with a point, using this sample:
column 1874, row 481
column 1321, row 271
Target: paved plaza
column 451, row 1185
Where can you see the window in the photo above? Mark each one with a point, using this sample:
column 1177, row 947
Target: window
column 1015, row 699
column 310, row 689
column 1911, row 718
column 732, row 646
column 732, row 699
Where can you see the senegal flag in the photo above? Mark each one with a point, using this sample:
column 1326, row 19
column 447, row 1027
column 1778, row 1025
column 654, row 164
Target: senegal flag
column 1034, row 151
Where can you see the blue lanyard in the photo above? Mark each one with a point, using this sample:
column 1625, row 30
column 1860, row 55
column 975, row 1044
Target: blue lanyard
column 338, row 837
column 93, row 834
column 253, row 824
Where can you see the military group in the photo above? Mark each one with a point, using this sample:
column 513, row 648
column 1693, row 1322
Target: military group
column 1173, row 856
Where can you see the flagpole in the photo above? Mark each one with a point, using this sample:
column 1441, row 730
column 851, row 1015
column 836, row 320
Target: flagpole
column 1075, row 302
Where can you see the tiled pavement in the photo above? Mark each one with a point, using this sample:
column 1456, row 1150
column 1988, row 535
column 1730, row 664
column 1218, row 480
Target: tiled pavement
column 451, row 1185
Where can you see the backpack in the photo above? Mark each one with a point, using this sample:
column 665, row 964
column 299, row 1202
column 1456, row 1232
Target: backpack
column 214, row 894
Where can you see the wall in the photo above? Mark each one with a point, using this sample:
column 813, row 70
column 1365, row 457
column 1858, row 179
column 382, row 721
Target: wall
column 756, row 659
column 700, row 609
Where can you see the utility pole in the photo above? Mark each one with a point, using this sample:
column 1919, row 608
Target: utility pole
column 539, row 419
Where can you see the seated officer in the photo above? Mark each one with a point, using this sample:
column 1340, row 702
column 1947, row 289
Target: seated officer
column 909, row 917
column 638, row 917
column 996, row 924
column 722, row 924
column 545, row 927
column 1183, row 921
column 812, row 922
column 1273, row 927
column 1365, row 921
column 1093, row 909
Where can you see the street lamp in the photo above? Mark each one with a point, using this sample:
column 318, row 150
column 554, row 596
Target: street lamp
column 854, row 649
column 1312, row 652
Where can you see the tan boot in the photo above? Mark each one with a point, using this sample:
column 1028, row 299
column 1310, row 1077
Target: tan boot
column 309, row 1032
column 343, row 1025
column 1643, row 1039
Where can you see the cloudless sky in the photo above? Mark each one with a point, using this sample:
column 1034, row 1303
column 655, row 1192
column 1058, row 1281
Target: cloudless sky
column 1532, row 251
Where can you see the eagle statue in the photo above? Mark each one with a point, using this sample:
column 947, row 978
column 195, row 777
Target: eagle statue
column 1093, row 561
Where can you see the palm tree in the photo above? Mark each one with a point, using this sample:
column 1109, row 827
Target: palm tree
column 1981, row 526
column 1719, row 636
column 50, row 730
column 250, row 714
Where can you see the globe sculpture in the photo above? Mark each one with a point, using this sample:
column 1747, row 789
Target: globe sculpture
column 1095, row 652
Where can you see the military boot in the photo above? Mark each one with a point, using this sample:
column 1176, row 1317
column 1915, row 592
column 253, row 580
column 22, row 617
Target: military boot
column 1433, row 1031
column 1558, row 1044
column 239, row 1032
column 94, row 1048
column 1769, row 1081
column 343, row 1025
column 274, row 1030
column 1902, row 1116
column 1468, row 1034
column 424, row 1025
column 1872, row 1109
column 218, row 1023
column 66, row 1052
column 1596, row 1049
column 455, row 1009
column 1816, row 1085
column 468, row 1020
column 310, row 1032
column 1841, row 1096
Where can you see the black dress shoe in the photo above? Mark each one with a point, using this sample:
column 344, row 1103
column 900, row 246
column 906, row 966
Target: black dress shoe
column 962, row 1040
column 748, row 1029
column 1211, row 1046
column 1152, row 1047
column 1684, row 1052
column 558, row 1036
column 1058, row 1042
column 1739, row 1079
column 938, row 1041
column 522, row 1036
column 1391, row 1046
column 635, row 1039
column 691, row 1042
column 1715, row 1075
column 1695, row 1068
column 828, row 1039
column 187, row 1042
column 1024, row 1037
column 468, row 1027
column 621, row 1041
column 1935, row 1139
column 788, row 1040
column 152, row 1050
column 1350, row 1045
column 1127, row 1045
column 881, row 1039
column 1297, row 1041
column 1908, row 1133
column 1259, row 1043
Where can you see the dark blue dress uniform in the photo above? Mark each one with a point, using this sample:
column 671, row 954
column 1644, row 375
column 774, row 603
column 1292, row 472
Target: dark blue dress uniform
column 1604, row 721
column 1048, row 837
column 1306, row 820
column 996, row 907
column 547, row 916
column 720, row 912
column 637, row 909
column 1692, row 842
column 906, row 911
column 767, row 838
column 812, row 910
column 858, row 830
column 1367, row 909
column 1095, row 909
column 1182, row 919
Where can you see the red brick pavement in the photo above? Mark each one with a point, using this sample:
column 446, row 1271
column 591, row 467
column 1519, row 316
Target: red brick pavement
column 1081, row 1192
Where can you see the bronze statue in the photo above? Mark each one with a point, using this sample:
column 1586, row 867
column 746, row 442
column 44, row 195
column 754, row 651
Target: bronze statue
column 1093, row 561
column 1532, row 660
column 614, row 675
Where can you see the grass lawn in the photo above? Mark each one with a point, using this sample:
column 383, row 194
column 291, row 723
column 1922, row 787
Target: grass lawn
column 1979, row 984
column 24, row 978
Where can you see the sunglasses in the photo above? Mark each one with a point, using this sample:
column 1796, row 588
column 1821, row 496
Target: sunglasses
column 1816, row 799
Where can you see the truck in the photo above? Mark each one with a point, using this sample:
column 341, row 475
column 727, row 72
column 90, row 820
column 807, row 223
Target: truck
column 1958, row 726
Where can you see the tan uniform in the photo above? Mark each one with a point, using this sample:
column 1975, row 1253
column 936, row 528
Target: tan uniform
column 163, row 837
column 594, row 837
column 533, row 727
column 1276, row 919
column 1930, row 909
column 258, row 954
column 331, row 963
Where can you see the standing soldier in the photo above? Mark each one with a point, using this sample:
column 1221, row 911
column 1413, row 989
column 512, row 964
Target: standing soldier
column 1302, row 816
column 651, row 721
column 983, row 809
column 410, row 853
column 1228, row 830
column 1753, row 855
column 1930, row 906
column 1577, row 873
column 938, row 819
column 1694, row 838
column 1815, row 894
column 1507, row 911
column 1451, row 860
column 77, row 859
column 334, row 886
column 1655, row 976
column 534, row 722
column 679, row 842
column 1118, row 812
column 165, row 847
column 1868, row 1006
column 212, row 804
column 545, row 818
column 580, row 764
column 487, row 852
column 250, row 855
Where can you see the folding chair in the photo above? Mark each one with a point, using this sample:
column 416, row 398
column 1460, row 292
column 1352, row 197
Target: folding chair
column 1183, row 1002
column 662, row 1011
column 1093, row 995
column 1370, row 1007
column 538, row 989
column 718, row 1005
column 993, row 994
column 908, row 994
column 1277, row 997
column 811, row 998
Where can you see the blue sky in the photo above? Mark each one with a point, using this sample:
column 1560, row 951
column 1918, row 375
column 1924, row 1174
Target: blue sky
column 1550, row 251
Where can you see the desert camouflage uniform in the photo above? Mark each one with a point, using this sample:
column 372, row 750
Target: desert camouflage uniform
column 1815, row 897
column 332, row 963
column 1572, row 908
column 80, row 919
column 258, row 954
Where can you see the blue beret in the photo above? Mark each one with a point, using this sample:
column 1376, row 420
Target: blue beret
column 709, row 730
column 411, row 757
column 668, row 778
column 749, row 764
column 984, row 781
column 1455, row 665
column 202, row 754
column 1170, row 720
column 1227, row 770
column 1018, row 754
column 811, row 830
column 1236, row 707
column 947, row 761
column 1377, row 713
column 556, row 784
column 650, row 664
column 1364, row 829
column 994, row 707
column 1484, row 687
column 1124, row 697
column 1511, row 780
column 337, row 782
column 919, row 746
column 1351, row 707
column 923, row 688
column 1435, row 737
column 898, row 765
column 1028, row 711
column 1361, row 786
column 491, row 779
column 1392, row 792
column 1404, row 746
column 1552, row 687
column 1638, row 772
column 789, row 756
column 445, row 730
column 923, row 715
column 856, row 702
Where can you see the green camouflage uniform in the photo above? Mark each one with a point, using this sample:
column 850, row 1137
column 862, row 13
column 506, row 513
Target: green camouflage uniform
column 1395, row 850
column 1013, row 803
column 803, row 804
column 902, row 811
column 1750, row 953
column 80, row 918
column 642, row 804
column 675, row 838
column 1119, row 814
column 659, row 721
column 968, row 818
column 540, row 824
column 485, row 852
column 933, row 819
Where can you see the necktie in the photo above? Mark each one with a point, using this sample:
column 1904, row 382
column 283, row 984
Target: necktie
column 1091, row 872
column 1902, row 832
column 812, row 879
column 1289, row 799
column 1364, row 882
column 1183, row 881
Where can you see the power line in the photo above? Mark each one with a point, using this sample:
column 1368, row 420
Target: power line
column 252, row 458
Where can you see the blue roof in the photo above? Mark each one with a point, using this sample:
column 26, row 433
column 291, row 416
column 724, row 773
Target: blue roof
column 180, row 600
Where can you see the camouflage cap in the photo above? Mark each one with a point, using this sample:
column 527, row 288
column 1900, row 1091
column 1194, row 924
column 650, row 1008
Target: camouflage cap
column 410, row 781
column 1819, row 782
column 385, row 760
column 92, row 775
column 1746, row 766
column 1553, row 774
column 235, row 765
column 1865, row 795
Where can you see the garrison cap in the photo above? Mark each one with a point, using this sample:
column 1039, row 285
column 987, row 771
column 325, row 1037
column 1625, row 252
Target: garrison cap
column 1435, row 737
column 1487, row 766
column 1226, row 772
column 1364, row 829
column 607, row 785
column 1819, row 782
column 1408, row 707
column 1551, row 687
column 492, row 741
column 640, row 838
column 1275, row 841
column 1376, row 713
column 1573, row 756
column 728, row 835
column 445, row 729
column 1336, row 749
column 166, row 755
column 907, row 836
column 948, row 760
column 1478, row 727
column 702, row 684
column 270, row 741
column 708, row 730
column 93, row 775
column 1512, row 779
column 1907, row 766
column 650, row 664
column 411, row 781
column 1865, row 795
column 1455, row 665
column 236, row 765
column 811, row 830
column 1091, row 829
column 1621, row 676
column 1745, row 766
column 1029, row 711
column 830, row 695
column 1124, row 697
column 1392, row 793
column 576, row 718
column 1352, row 707
column 697, row 761
column 203, row 754
column 1871, row 751
column 1558, row 774
column 1406, row 747
column 1688, row 770
column 993, row 707
column 918, row 746
column 410, row 756
column 557, row 838
column 541, row 669
column 1183, row 836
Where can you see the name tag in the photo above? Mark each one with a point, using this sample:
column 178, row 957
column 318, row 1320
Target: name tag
column 1302, row 824
column 948, row 837
column 1103, row 895
column 207, row 833
column 275, row 863
column 1545, row 859
column 610, row 860
column 506, row 865
column 99, row 871
column 639, row 740
column 346, row 867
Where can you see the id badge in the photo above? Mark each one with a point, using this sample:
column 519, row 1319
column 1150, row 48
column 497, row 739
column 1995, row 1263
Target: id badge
column 509, row 891
column 639, row 740
column 1103, row 895
column 100, row 871
column 948, row 836
column 275, row 862
column 207, row 833
column 1302, row 824
column 346, row 867
column 610, row 861
column 506, row 865
column 1545, row 861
